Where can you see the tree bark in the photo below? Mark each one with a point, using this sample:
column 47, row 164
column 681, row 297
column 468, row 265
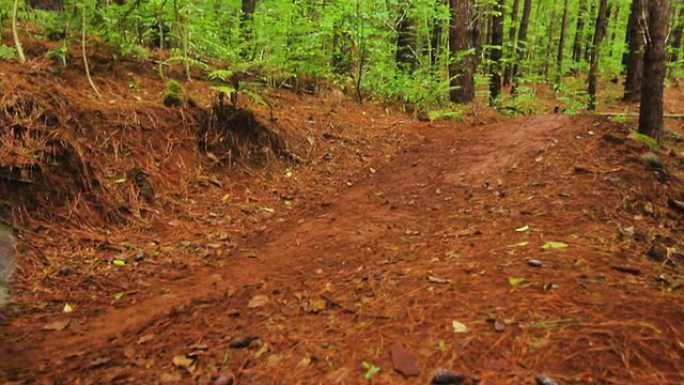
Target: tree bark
column 512, row 43
column 462, row 70
column 522, row 44
column 655, row 56
column 599, row 33
column 634, row 56
column 579, row 32
column 561, row 45
column 496, row 43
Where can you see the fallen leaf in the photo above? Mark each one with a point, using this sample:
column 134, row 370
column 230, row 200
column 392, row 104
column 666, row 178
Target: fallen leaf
column 522, row 229
column 403, row 360
column 183, row 362
column 458, row 327
column 519, row 244
column 515, row 282
column 317, row 305
column 118, row 296
column 68, row 308
column 554, row 245
column 434, row 279
column 56, row 326
column 145, row 338
column 259, row 300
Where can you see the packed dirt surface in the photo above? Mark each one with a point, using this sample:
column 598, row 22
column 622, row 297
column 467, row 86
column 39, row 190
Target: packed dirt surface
column 503, row 251
column 369, row 248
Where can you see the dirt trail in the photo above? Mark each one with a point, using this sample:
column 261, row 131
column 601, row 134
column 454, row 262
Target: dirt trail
column 424, row 238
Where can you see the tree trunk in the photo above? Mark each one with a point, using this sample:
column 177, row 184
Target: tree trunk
column 599, row 32
column 496, row 42
column 461, row 71
column 657, row 28
column 405, row 56
column 522, row 44
column 634, row 57
column 561, row 45
column 579, row 33
column 512, row 43
column 15, row 33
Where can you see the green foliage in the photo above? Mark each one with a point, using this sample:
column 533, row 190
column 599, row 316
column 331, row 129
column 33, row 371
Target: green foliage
column 173, row 95
column 7, row 53
column 647, row 140
column 351, row 43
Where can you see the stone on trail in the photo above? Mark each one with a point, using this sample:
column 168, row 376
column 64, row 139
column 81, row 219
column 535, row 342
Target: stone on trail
column 544, row 380
column 448, row 377
column 403, row 360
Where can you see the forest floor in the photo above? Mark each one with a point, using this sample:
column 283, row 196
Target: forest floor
column 500, row 248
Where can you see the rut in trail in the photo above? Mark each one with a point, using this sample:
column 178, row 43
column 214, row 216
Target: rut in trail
column 437, row 235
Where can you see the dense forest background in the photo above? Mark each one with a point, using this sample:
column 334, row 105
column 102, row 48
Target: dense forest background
column 423, row 53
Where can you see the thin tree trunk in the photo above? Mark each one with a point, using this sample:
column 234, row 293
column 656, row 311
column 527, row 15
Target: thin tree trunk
column 657, row 28
column 85, row 55
column 512, row 43
column 677, row 35
column 579, row 32
column 522, row 44
column 496, row 43
column 590, row 38
column 561, row 45
column 599, row 32
column 461, row 72
column 634, row 57
column 15, row 33
column 548, row 52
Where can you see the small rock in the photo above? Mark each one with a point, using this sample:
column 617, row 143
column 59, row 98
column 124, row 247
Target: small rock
column 64, row 271
column 448, row 377
column 228, row 379
column 658, row 252
column 403, row 361
column 139, row 257
column 544, row 380
column 534, row 262
column 499, row 326
column 242, row 342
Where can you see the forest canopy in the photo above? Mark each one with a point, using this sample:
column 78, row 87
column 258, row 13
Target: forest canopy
column 421, row 52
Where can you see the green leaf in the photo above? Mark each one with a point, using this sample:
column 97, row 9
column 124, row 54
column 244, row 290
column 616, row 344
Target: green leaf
column 118, row 296
column 516, row 282
column 371, row 370
column 118, row 262
column 554, row 245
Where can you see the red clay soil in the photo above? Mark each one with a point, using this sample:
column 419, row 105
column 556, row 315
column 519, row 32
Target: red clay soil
column 394, row 231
